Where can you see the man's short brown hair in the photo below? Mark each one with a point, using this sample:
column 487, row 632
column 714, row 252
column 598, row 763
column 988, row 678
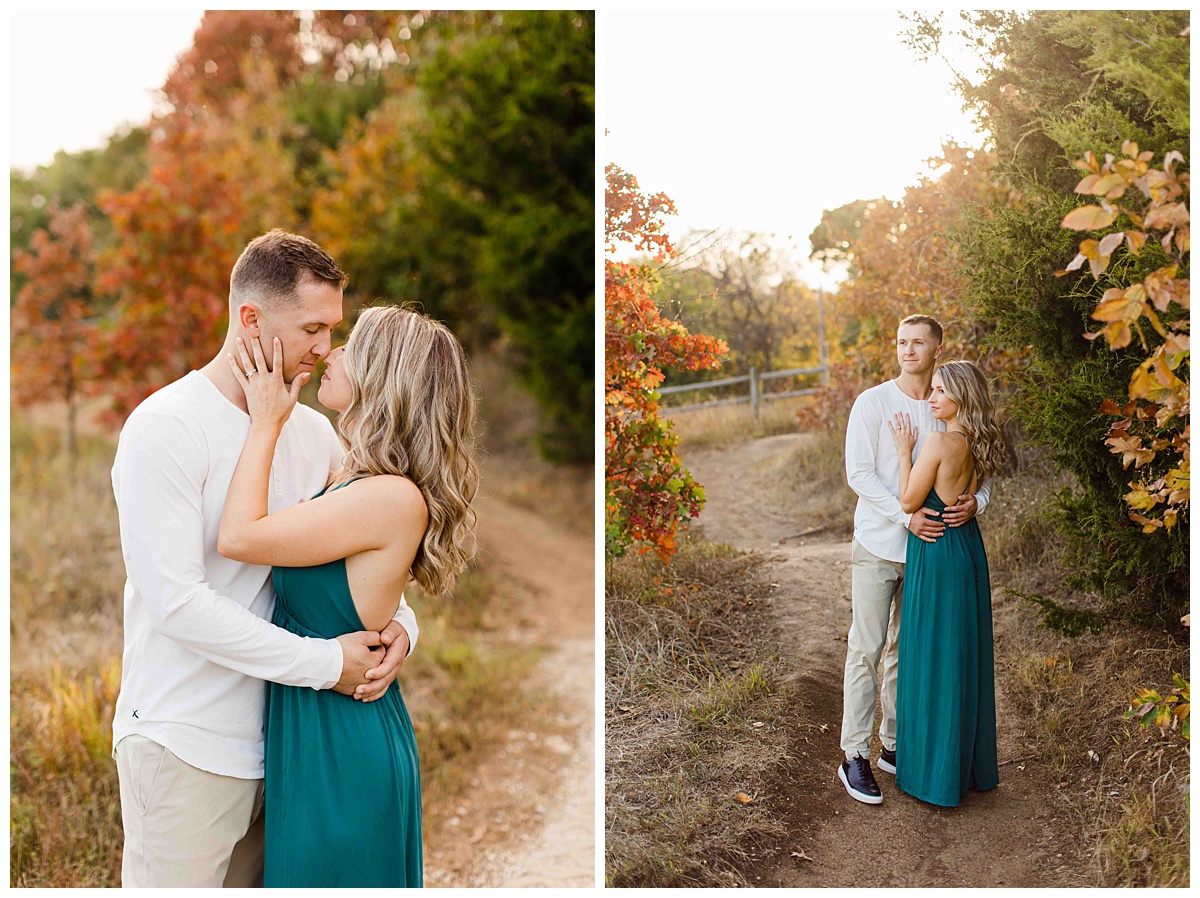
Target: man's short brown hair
column 271, row 266
column 932, row 323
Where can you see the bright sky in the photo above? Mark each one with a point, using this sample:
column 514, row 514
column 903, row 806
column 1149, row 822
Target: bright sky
column 75, row 77
column 761, row 120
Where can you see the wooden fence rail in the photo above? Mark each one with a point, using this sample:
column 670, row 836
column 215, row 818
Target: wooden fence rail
column 756, row 394
column 755, row 378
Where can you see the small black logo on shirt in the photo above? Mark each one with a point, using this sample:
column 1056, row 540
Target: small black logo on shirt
column 135, row 713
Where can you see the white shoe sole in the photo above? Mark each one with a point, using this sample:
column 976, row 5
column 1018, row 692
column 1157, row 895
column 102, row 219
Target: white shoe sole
column 854, row 793
column 883, row 765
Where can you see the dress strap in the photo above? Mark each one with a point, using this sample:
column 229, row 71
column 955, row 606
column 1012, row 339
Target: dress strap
column 347, row 483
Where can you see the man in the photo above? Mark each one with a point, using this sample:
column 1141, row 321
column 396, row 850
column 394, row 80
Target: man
column 188, row 724
column 880, row 541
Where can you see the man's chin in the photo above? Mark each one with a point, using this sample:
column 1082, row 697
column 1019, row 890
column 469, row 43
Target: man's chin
column 303, row 369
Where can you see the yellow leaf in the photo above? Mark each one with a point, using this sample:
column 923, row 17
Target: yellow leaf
column 1149, row 525
column 1085, row 186
column 1111, row 242
column 1118, row 307
column 1165, row 376
column 1130, row 148
column 1088, row 218
column 1168, row 215
column 743, row 798
column 1162, row 287
column 1118, row 334
column 1076, row 263
column 1143, row 384
column 1140, row 499
column 1179, row 478
column 1137, row 239
column 1111, row 186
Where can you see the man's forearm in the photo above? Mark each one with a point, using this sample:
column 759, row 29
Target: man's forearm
column 868, row 487
column 220, row 630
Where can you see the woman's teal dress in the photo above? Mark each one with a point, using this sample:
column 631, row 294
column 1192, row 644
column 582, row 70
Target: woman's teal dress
column 945, row 691
column 343, row 791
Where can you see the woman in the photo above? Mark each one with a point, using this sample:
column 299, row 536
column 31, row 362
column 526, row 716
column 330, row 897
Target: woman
column 343, row 804
column 945, row 698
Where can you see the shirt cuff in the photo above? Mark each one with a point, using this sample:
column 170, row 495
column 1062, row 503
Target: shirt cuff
column 336, row 660
column 410, row 627
column 905, row 519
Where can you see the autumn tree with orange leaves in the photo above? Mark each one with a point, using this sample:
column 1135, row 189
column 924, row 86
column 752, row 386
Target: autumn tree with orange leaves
column 178, row 234
column 901, row 260
column 53, row 318
column 648, row 494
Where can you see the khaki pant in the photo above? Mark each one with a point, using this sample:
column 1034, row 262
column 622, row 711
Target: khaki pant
column 185, row 826
column 876, row 586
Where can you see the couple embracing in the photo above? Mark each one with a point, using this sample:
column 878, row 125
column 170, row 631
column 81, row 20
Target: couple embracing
column 921, row 450
column 259, row 735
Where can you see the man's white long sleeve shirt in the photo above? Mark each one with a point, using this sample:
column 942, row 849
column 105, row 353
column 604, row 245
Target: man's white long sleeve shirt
column 198, row 643
column 873, row 467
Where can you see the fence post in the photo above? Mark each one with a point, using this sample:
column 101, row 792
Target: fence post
column 822, row 345
column 754, row 389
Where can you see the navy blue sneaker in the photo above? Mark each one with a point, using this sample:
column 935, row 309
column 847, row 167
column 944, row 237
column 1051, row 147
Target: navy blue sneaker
column 859, row 781
column 887, row 761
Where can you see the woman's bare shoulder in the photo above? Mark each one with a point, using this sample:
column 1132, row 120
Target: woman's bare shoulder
column 390, row 491
column 935, row 443
column 953, row 447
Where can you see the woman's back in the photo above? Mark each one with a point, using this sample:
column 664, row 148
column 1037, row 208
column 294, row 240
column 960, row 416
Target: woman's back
column 362, row 591
column 956, row 467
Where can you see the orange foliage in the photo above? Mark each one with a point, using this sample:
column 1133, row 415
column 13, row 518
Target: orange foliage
column 52, row 319
column 212, row 69
column 1155, row 418
column 177, row 236
column 901, row 262
column 648, row 493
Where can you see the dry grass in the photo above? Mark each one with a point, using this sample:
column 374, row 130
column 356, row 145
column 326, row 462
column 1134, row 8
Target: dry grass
column 65, row 818
column 813, row 479
column 67, row 573
column 689, row 702
column 1128, row 787
column 726, row 424
column 463, row 685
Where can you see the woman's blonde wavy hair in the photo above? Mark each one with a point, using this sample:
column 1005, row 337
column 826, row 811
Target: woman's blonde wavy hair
column 966, row 384
column 412, row 413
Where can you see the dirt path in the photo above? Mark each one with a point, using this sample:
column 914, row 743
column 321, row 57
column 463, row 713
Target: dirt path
column 530, row 817
column 1012, row 836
